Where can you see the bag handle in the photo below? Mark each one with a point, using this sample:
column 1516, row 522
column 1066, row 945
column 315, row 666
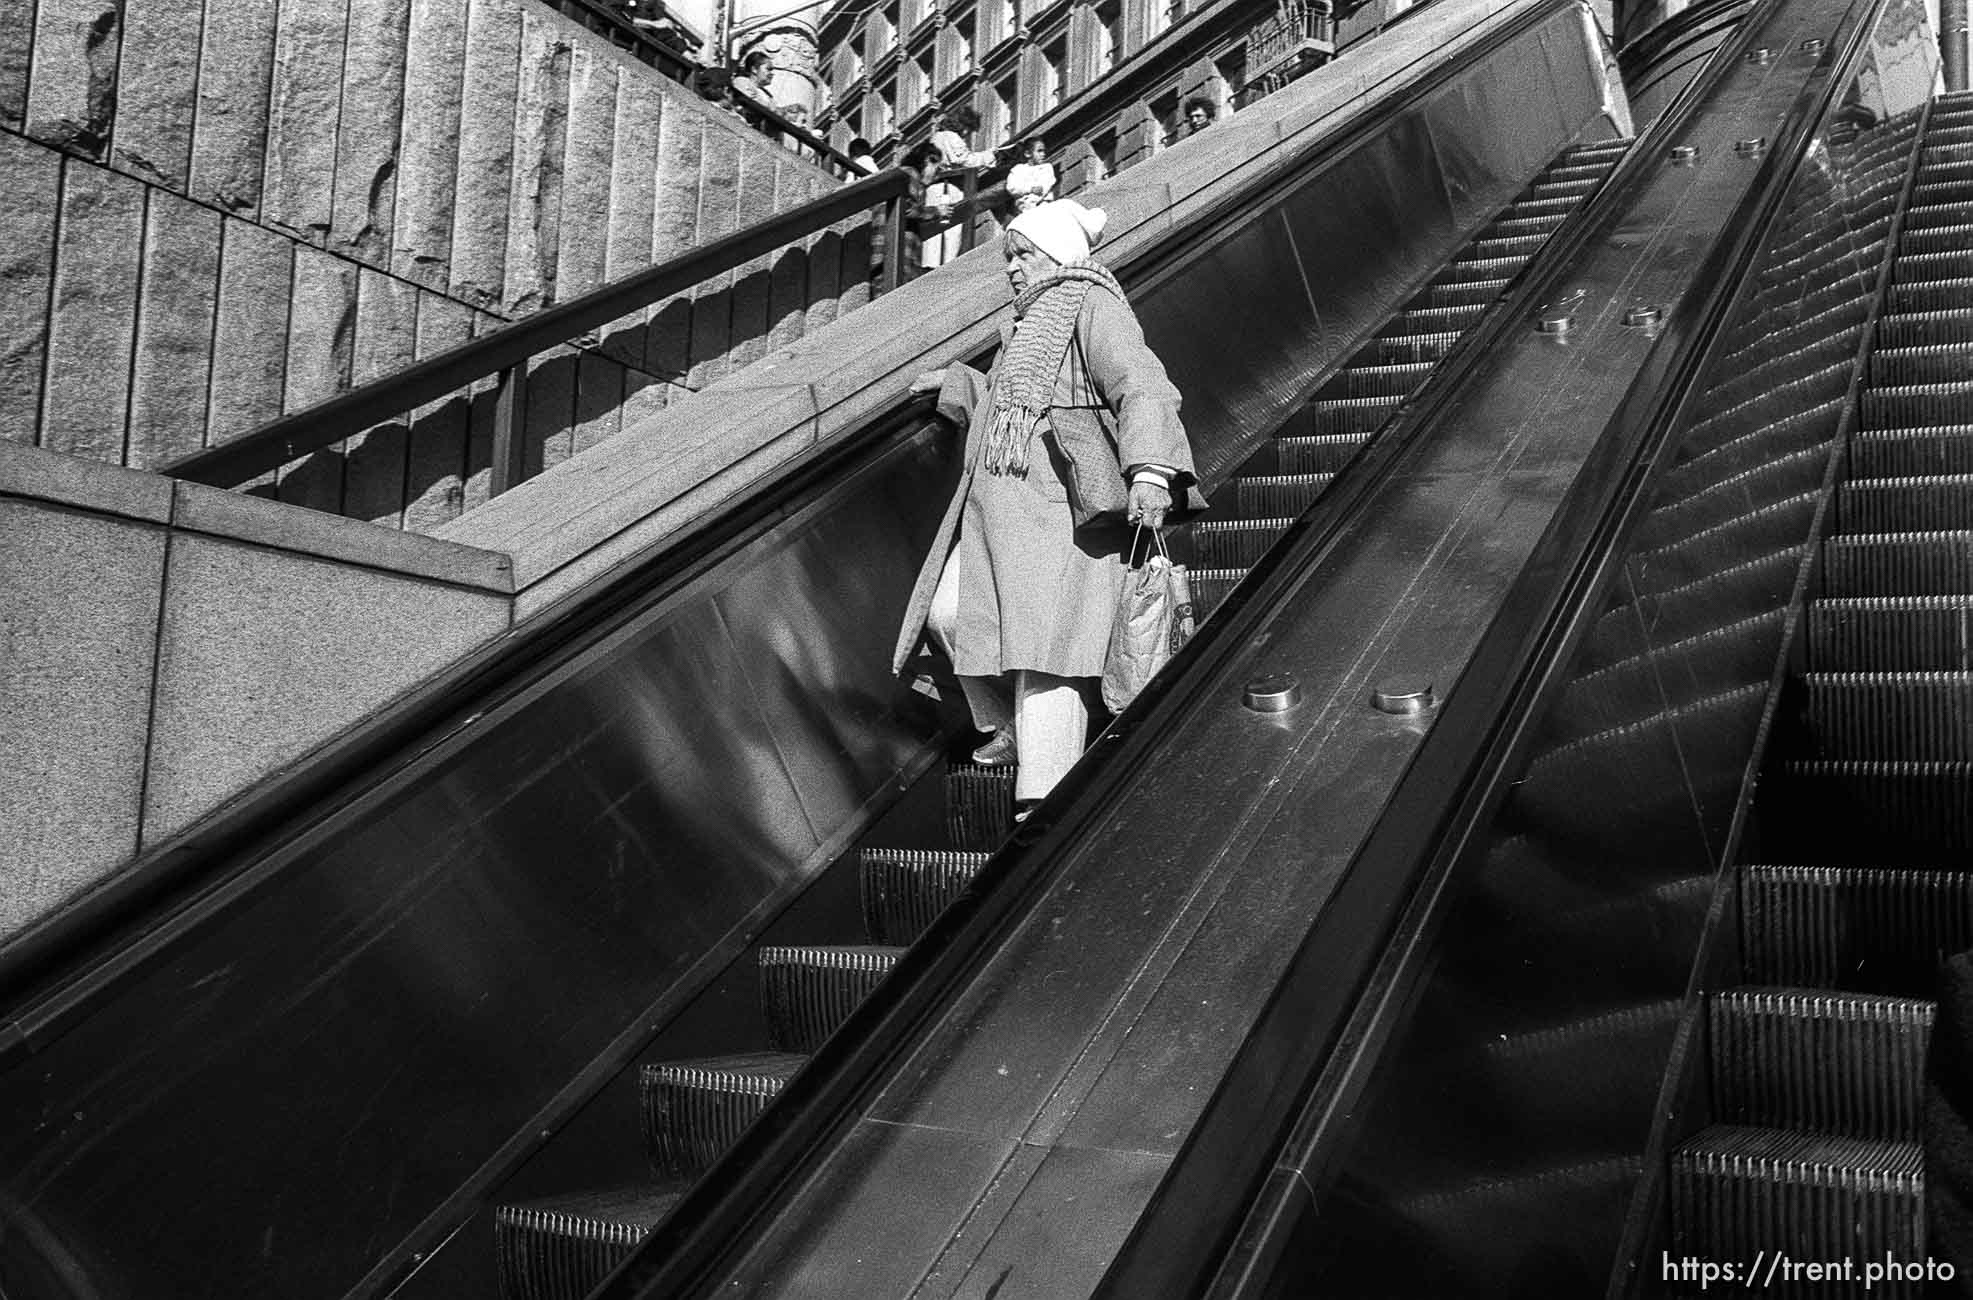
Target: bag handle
column 1157, row 536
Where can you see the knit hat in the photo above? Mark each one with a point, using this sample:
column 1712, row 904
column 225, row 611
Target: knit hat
column 1064, row 229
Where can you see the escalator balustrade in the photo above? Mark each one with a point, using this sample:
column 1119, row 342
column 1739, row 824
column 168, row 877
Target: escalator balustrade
column 558, row 1248
column 1817, row 1064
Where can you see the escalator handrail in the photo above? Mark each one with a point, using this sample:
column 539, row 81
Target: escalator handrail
column 291, row 437
column 1466, row 766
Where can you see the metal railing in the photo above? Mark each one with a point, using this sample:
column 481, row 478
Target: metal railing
column 506, row 352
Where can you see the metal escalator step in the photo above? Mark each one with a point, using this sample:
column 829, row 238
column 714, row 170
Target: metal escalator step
column 1570, row 184
column 1932, row 266
column 1932, row 216
column 1897, row 715
column 1606, row 151
column 1769, row 529
column 1930, row 295
column 1318, row 453
column 1861, row 929
column 1374, row 381
column 904, row 890
column 1891, row 634
column 1902, row 453
column 1930, row 503
column 1413, row 348
column 1691, row 607
column 1944, row 183
column 1875, row 810
column 1276, row 495
column 1517, row 246
column 1543, row 205
column 809, row 991
column 1512, row 224
column 1926, row 328
column 560, row 1248
column 1464, row 294
column 1351, row 415
column 1209, row 587
column 979, row 806
column 1698, row 509
column 1850, row 1064
column 1468, row 268
column 1235, row 543
column 1594, row 169
column 1727, row 461
column 1898, row 564
column 1748, row 1194
column 1938, row 363
column 1941, row 237
column 1912, row 406
column 1415, row 321
column 693, row 1111
column 1631, row 689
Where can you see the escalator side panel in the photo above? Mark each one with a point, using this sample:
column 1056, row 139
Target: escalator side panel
column 460, row 950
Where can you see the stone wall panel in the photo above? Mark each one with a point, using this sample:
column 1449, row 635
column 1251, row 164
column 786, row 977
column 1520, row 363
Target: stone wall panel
column 587, row 177
column 712, row 301
column 229, row 134
column 634, row 179
column 156, row 91
column 321, row 355
column 551, row 409
column 93, row 314
column 16, row 57
column 486, row 152
column 372, row 96
column 758, row 173
column 541, row 121
column 436, row 462
column 302, row 111
column 386, row 342
column 31, row 177
column 599, row 393
column 71, row 100
column 428, row 152
column 250, row 333
column 178, row 298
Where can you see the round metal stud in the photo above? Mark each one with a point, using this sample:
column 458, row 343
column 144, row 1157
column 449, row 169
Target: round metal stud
column 1404, row 696
column 1750, row 147
column 1555, row 322
column 1640, row 316
column 1760, row 54
column 1814, row 45
column 1684, row 154
column 1274, row 693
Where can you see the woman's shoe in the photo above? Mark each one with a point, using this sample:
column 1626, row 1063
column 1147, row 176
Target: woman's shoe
column 997, row 752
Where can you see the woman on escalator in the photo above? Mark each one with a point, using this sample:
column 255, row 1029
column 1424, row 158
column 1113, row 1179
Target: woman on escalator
column 1072, row 442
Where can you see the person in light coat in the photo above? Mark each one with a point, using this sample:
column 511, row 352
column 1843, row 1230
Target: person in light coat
column 1071, row 442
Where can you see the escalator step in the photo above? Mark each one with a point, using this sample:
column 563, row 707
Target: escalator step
column 1375, row 381
column 1519, row 246
column 1934, row 295
column 1468, row 268
column 1926, row 328
column 807, row 992
column 1917, row 406
column 1607, row 150
column 1542, row 206
column 1413, row 348
column 1916, row 267
column 1923, row 716
column 904, row 890
column 1747, row 1194
column 1862, row 929
column 1932, row 216
column 1595, row 169
column 1930, row 503
column 1415, row 321
column 1728, row 460
column 1209, row 586
column 1939, row 238
column 1235, row 543
column 1848, row 1064
column 979, row 806
column 1904, row 564
column 560, row 1248
column 1944, row 183
column 1514, row 224
column 1770, row 530
column 1464, row 294
column 1355, row 415
column 694, row 1110
column 1891, row 634
column 1565, row 183
column 1692, row 607
column 1939, row 363
column 1899, row 453
column 1277, row 495
column 1736, row 496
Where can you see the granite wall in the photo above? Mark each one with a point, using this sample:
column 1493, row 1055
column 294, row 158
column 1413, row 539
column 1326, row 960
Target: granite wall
column 223, row 210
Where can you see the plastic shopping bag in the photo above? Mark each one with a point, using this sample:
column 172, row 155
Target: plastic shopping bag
column 1154, row 619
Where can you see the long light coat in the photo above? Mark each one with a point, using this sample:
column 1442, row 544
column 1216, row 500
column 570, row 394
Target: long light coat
column 1034, row 593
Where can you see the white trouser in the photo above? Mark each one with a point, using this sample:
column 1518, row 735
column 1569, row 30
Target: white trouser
column 1049, row 714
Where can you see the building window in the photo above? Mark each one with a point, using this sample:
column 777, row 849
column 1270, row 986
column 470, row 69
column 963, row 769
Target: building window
column 910, row 14
column 1109, row 37
column 963, row 43
column 1232, row 67
column 992, row 23
column 1165, row 13
column 1055, row 74
column 1165, row 109
column 914, row 84
column 1001, row 112
column 879, row 117
column 879, row 36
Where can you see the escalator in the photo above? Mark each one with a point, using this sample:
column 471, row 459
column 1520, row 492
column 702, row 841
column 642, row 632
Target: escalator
column 692, row 1110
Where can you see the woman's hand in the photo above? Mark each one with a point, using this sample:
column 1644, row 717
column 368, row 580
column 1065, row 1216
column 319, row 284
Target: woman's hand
column 1148, row 504
column 929, row 382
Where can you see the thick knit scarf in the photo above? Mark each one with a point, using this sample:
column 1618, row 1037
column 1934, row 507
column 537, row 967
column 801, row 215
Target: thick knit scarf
column 1024, row 385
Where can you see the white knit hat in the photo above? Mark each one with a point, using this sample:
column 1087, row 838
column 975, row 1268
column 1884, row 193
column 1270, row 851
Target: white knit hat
column 1064, row 229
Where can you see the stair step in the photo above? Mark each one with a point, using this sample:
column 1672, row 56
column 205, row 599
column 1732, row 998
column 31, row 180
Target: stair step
column 1464, row 294
column 1750, row 1194
column 1513, row 224
column 1903, row 564
column 1922, row 716
column 1277, row 495
column 1469, row 268
column 1521, row 246
column 1542, row 205
column 560, row 1248
column 1594, row 170
column 1860, row 929
column 1891, row 634
column 1916, row 406
column 1415, row 321
column 1925, row 503
column 1688, row 510
column 1413, row 347
column 1398, row 380
column 1846, row 1064
column 1235, row 543
column 1354, row 415
column 1943, row 183
column 979, row 806
column 1915, row 329
column 1938, row 238
column 1605, row 151
column 1903, row 453
column 1931, row 216
column 1934, row 295
column 694, row 1110
column 1569, row 184
column 809, row 991
column 1929, row 267
column 1209, row 586
column 904, row 890
column 1770, row 530
column 1937, row 363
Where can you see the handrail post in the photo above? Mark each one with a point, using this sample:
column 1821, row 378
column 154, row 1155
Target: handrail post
column 895, row 213
column 510, row 414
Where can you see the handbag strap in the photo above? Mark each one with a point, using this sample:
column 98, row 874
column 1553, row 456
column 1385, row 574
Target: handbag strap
column 1157, row 537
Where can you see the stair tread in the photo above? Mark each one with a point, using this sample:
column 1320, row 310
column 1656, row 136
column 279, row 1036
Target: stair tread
column 1750, row 1147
